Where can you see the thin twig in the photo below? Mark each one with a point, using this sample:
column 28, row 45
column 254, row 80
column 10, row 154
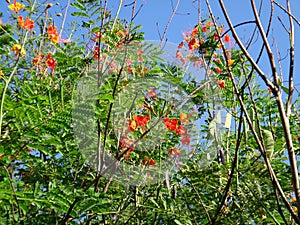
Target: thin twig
column 286, row 11
column 64, row 19
column 292, row 61
column 169, row 22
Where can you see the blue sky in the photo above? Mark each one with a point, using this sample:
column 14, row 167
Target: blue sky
column 155, row 12
column 158, row 12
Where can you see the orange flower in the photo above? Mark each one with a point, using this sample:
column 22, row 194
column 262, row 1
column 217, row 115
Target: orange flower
column 195, row 31
column 37, row 59
column 184, row 118
column 208, row 24
column 1, row 74
column 28, row 24
column 171, row 124
column 141, row 121
column 293, row 199
column 52, row 33
column 194, row 44
column 50, row 62
column 132, row 125
column 227, row 38
column 122, row 33
column 16, row 7
column 179, row 56
column 130, row 70
column 221, row 83
column 148, row 162
column 180, row 45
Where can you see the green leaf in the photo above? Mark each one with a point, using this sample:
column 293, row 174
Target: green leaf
column 178, row 222
column 80, row 14
column 78, row 5
column 269, row 143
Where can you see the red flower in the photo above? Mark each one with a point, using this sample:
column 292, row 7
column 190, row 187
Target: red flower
column 227, row 38
column 204, row 29
column 180, row 130
column 219, row 71
column 195, row 31
column 216, row 36
column 96, row 53
column 148, row 162
column 50, row 62
column 185, row 139
column 28, row 24
column 194, row 44
column 171, row 124
column 221, row 83
column 141, row 121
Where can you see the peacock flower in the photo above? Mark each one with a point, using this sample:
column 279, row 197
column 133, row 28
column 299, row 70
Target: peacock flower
column 221, row 83
column 28, row 24
column 53, row 35
column 50, row 62
column 16, row 7
column 17, row 49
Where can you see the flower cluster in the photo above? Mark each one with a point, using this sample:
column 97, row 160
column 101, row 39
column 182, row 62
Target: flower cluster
column 50, row 62
column 172, row 124
column 28, row 24
column 138, row 121
column 52, row 33
column 200, row 42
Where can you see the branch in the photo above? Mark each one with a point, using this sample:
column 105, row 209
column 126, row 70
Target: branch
column 244, row 50
column 292, row 61
column 286, row 11
column 169, row 22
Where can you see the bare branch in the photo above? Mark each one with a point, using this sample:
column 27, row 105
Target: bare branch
column 169, row 22
column 286, row 11
column 292, row 61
